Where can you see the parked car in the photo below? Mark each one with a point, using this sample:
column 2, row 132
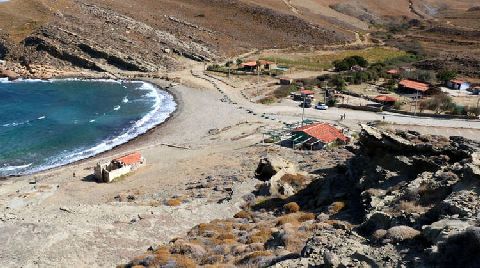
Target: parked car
column 321, row 106
column 306, row 104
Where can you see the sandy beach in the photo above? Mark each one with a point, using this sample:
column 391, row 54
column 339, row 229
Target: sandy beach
column 62, row 217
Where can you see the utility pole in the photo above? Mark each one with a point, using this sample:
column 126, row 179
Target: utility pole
column 416, row 103
column 303, row 107
column 325, row 92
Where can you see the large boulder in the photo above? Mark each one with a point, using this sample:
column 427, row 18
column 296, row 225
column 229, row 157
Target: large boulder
column 401, row 233
column 269, row 166
column 439, row 231
column 284, row 184
column 459, row 250
column 11, row 75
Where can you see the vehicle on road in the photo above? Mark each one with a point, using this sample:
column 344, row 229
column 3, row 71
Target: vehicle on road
column 321, row 106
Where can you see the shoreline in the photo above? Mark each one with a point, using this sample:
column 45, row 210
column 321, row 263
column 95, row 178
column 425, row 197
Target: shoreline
column 160, row 85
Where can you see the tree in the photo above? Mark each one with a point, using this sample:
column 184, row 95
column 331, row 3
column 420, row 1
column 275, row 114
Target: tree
column 348, row 62
column 446, row 75
column 239, row 61
column 339, row 83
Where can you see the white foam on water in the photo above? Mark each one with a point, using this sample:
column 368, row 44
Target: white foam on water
column 125, row 99
column 163, row 106
column 13, row 168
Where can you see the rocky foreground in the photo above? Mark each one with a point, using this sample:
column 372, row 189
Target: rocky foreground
column 393, row 200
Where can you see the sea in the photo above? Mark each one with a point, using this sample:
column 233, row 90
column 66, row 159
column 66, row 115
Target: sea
column 46, row 124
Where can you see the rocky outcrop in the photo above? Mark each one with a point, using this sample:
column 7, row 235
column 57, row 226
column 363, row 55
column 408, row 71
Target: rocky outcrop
column 11, row 75
column 403, row 200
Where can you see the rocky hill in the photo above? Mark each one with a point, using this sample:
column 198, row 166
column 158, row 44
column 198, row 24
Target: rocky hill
column 394, row 200
column 150, row 36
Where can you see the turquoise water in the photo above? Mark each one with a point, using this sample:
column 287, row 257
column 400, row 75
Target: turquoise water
column 44, row 124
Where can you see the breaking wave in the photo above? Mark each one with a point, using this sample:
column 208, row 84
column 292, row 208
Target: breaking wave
column 163, row 106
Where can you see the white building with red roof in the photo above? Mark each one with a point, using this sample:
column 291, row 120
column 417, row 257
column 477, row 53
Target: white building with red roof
column 108, row 172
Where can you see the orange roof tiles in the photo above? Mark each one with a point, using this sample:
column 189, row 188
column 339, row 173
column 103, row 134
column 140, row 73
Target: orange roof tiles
column 254, row 63
column 323, row 132
column 455, row 81
column 307, row 92
column 250, row 64
column 385, row 98
column 393, row 71
column 130, row 159
column 414, row 85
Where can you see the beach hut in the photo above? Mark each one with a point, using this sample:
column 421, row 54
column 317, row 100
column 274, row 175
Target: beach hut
column 108, row 172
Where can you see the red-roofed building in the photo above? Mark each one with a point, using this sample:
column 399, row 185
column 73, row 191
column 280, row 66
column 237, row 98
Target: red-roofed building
column 393, row 71
column 458, row 84
column 385, row 99
column 318, row 136
column 130, row 159
column 108, row 172
column 413, row 86
column 306, row 92
column 261, row 65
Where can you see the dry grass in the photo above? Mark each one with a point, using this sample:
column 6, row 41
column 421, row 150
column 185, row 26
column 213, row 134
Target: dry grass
column 261, row 236
column 336, row 207
column 296, row 241
column 303, row 217
column 295, row 218
column 20, row 18
column 294, row 179
column 411, row 207
column 182, row 261
column 174, row 202
column 291, row 207
column 318, row 61
column 243, row 215
column 253, row 256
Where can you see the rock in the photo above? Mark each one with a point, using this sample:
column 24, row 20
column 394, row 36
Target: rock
column 465, row 203
column 379, row 220
column 11, row 75
column 459, row 250
column 331, row 259
column 439, row 231
column 268, row 167
column 401, row 233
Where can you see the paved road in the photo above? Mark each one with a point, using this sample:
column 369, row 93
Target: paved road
column 289, row 109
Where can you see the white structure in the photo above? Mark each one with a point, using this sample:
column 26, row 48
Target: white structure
column 458, row 85
column 108, row 172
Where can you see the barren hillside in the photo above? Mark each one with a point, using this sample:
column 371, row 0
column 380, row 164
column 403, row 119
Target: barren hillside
column 148, row 36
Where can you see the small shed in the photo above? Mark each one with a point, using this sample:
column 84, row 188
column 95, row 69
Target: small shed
column 458, row 84
column 108, row 172
column 385, row 99
column 318, row 136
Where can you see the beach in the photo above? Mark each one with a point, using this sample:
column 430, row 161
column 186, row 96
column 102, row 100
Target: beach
column 62, row 217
